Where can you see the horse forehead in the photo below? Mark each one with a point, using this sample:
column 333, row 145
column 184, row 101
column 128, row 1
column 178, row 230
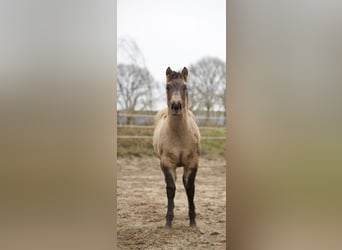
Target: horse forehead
column 176, row 83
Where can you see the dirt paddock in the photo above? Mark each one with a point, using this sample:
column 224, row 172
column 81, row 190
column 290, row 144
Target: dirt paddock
column 142, row 202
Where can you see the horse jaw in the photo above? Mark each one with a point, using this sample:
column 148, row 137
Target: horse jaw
column 176, row 112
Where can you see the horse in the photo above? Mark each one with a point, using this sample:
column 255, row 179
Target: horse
column 176, row 141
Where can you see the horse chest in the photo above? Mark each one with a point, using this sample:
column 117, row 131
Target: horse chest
column 180, row 142
column 177, row 142
column 178, row 151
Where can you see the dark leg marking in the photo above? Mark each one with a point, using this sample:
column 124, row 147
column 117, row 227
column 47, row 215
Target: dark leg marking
column 170, row 191
column 190, row 192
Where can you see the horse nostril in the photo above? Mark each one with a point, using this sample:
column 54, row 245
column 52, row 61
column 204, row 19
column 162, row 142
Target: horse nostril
column 176, row 106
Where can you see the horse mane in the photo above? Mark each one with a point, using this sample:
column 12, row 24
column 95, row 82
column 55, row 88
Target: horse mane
column 161, row 114
column 175, row 75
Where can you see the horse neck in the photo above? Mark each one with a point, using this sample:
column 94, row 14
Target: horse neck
column 178, row 123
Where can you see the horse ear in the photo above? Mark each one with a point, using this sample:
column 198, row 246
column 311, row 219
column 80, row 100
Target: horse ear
column 168, row 72
column 185, row 73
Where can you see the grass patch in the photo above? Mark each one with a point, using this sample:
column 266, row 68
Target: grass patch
column 143, row 146
column 213, row 147
column 134, row 147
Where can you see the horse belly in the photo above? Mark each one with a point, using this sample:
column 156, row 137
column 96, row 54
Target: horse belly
column 179, row 156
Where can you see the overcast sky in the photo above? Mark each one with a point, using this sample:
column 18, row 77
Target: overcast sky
column 174, row 33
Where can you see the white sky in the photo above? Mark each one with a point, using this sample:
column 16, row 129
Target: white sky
column 174, row 33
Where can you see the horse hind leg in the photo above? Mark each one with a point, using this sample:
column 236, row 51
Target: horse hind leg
column 189, row 185
column 170, row 176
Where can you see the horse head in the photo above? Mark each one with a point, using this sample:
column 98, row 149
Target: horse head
column 176, row 90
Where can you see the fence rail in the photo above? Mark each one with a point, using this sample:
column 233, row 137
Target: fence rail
column 145, row 121
column 218, row 120
column 152, row 116
column 151, row 127
column 150, row 137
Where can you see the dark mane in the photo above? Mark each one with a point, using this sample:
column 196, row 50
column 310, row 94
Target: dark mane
column 175, row 75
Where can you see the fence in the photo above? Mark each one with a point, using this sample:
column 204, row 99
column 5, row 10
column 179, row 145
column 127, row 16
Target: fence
column 145, row 121
column 148, row 119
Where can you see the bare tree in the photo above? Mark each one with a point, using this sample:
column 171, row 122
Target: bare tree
column 134, row 88
column 129, row 52
column 135, row 84
column 207, row 83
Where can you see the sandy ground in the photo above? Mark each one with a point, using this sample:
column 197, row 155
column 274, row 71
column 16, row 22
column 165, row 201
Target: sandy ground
column 142, row 202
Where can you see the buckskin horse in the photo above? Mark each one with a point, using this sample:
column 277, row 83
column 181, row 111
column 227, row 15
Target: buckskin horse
column 176, row 141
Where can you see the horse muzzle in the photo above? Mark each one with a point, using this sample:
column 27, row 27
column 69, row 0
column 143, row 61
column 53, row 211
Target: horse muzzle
column 176, row 108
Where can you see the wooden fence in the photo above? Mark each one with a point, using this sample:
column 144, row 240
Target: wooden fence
column 145, row 121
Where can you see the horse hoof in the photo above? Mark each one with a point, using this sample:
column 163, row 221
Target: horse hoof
column 168, row 226
column 193, row 224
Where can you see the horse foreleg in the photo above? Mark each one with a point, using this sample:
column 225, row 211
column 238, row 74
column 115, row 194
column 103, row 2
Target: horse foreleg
column 189, row 185
column 169, row 174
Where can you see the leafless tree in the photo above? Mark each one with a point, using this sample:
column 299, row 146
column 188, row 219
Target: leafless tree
column 207, row 83
column 129, row 52
column 135, row 84
column 134, row 88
